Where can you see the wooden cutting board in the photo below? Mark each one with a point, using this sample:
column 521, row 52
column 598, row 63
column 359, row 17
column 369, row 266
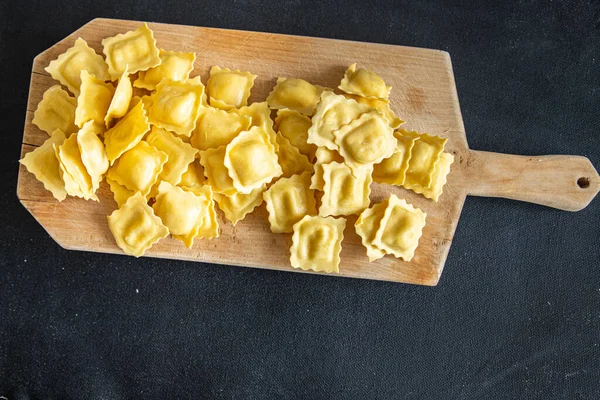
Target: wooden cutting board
column 424, row 94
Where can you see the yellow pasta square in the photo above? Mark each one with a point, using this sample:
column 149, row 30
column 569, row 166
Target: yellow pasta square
column 288, row 201
column 56, row 111
column 119, row 105
column 175, row 106
column 366, row 227
column 180, row 154
column 216, row 172
column 238, row 205
column 323, row 156
column 93, row 155
column 392, row 170
column 400, row 228
column 216, row 128
column 138, row 169
column 68, row 66
column 93, row 101
column 174, row 65
column 345, row 191
column 381, row 105
column 424, row 156
column 333, row 112
column 42, row 163
column 193, row 177
column 438, row 178
column 74, row 173
column 295, row 94
column 135, row 50
column 135, row 227
column 294, row 127
column 120, row 192
column 290, row 159
column 317, row 243
column 365, row 83
column 126, row 133
column 251, row 160
column 229, row 89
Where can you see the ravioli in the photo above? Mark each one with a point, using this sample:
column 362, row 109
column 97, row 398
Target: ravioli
column 215, row 171
column 366, row 227
column 77, row 180
column 333, row 112
column 365, row 83
column 135, row 227
column 135, row 50
column 365, row 141
column 180, row 154
column 288, row 201
column 127, row 133
column 120, row 192
column 294, row 127
column 251, row 160
column 400, row 228
column 323, row 156
column 93, row 101
column 216, row 128
column 229, row 89
column 56, row 111
column 317, row 243
column 260, row 115
column 345, row 191
column 438, row 178
column 68, row 66
column 175, row 106
column 290, row 159
column 238, row 205
column 138, row 169
column 392, row 170
column 93, row 155
column 424, row 156
column 193, row 177
column 119, row 104
column 174, row 65
column 181, row 211
column 42, row 163
column 381, row 105
column 295, row 94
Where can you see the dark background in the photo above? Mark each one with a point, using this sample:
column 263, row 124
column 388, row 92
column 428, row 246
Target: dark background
column 516, row 314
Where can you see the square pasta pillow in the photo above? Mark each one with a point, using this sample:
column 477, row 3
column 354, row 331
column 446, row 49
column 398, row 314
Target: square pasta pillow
column 317, row 243
column 288, row 201
column 215, row 128
column 68, row 66
column 216, row 172
column 174, row 65
column 78, row 181
column 126, row 133
column 425, row 154
column 295, row 94
column 93, row 101
column 135, row 50
column 294, row 127
column 56, row 111
column 229, row 89
column 392, row 170
column 119, row 105
column 366, row 227
column 345, row 191
column 238, row 205
column 364, row 83
column 175, row 106
column 93, row 155
column 135, row 227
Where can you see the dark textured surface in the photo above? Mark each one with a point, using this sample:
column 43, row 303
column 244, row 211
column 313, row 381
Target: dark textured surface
column 516, row 314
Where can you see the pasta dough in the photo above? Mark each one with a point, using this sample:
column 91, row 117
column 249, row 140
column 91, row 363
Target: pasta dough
column 175, row 106
column 73, row 172
column 135, row 50
column 215, row 171
column 288, row 201
column 135, row 227
column 290, row 159
column 238, row 205
column 216, row 128
column 365, row 141
column 381, row 105
column 93, row 101
column 295, row 94
column 424, row 156
column 56, row 111
column 365, row 83
column 193, row 177
column 93, row 155
column 294, row 127
column 251, row 160
column 138, row 169
column 119, row 105
column 400, row 228
column 68, row 66
column 333, row 112
column 42, row 163
column 438, row 179
column 229, row 89
column 120, row 192
column 174, row 65
column 317, row 243
column 180, row 154
column 392, row 170
column 366, row 227
column 323, row 156
column 126, row 133
column 345, row 191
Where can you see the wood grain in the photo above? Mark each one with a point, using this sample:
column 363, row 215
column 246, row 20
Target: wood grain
column 423, row 93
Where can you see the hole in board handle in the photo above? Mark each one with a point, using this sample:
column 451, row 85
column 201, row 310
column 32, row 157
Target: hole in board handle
column 583, row 183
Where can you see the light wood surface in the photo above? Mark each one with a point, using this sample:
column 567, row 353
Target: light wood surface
column 423, row 93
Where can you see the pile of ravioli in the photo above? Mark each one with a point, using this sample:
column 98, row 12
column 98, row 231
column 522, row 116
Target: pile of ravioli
column 170, row 147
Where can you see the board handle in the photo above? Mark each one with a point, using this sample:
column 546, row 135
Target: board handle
column 564, row 182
